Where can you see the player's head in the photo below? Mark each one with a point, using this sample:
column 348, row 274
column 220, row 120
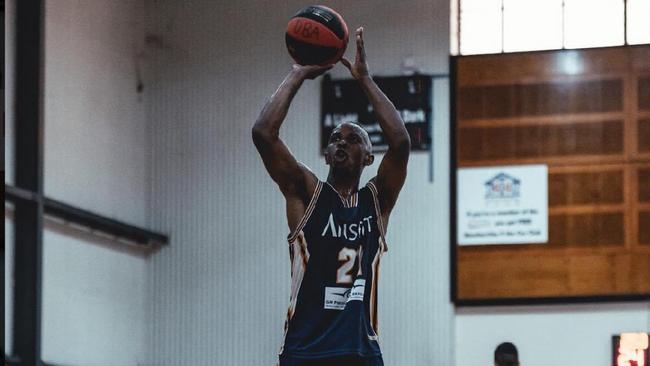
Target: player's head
column 506, row 355
column 349, row 148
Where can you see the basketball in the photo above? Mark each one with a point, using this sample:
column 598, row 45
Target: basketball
column 316, row 35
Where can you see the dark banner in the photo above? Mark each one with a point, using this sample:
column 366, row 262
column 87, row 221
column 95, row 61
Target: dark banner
column 344, row 101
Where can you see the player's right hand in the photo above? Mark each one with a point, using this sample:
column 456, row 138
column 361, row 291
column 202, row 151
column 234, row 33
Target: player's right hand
column 359, row 68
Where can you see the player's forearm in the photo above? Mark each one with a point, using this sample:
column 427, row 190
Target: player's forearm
column 389, row 119
column 274, row 112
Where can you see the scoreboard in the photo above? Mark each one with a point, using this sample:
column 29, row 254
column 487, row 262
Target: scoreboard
column 630, row 349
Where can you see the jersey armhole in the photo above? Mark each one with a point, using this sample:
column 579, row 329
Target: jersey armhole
column 310, row 208
column 380, row 219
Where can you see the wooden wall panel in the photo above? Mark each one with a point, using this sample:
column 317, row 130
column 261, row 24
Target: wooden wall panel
column 585, row 188
column 549, row 65
column 540, row 141
column 644, row 135
column 639, row 58
column 581, row 274
column 501, row 101
column 643, row 93
column 643, row 184
column 644, row 228
column 585, row 114
column 586, row 230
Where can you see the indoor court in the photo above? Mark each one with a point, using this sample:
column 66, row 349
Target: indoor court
column 468, row 184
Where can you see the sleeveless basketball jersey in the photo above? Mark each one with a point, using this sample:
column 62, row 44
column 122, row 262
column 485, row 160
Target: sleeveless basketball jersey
column 335, row 253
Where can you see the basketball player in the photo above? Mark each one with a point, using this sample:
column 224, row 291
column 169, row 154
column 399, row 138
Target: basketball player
column 336, row 229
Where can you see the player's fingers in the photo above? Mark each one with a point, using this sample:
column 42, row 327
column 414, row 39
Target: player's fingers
column 359, row 38
column 361, row 52
column 346, row 63
column 320, row 70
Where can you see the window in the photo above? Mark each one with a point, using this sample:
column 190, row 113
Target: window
column 485, row 34
column 532, row 25
column 601, row 25
column 638, row 21
column 494, row 26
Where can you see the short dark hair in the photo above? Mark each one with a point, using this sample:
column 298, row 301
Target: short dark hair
column 364, row 134
column 506, row 355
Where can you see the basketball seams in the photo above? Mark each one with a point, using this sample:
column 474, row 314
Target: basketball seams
column 337, row 24
column 344, row 25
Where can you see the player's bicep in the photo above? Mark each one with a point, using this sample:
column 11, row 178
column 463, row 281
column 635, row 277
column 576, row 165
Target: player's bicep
column 391, row 177
column 291, row 177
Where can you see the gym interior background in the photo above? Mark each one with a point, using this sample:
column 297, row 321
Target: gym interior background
column 147, row 109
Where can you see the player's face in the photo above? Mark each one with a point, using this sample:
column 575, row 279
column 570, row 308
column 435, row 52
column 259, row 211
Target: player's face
column 348, row 147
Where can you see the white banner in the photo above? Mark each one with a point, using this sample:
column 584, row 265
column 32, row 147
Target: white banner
column 502, row 205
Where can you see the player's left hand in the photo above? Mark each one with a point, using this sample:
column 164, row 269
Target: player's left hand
column 311, row 71
column 360, row 67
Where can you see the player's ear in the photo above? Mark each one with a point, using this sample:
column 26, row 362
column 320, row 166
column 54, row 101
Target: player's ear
column 327, row 157
column 369, row 159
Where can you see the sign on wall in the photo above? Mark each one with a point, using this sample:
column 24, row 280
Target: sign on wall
column 344, row 101
column 502, row 205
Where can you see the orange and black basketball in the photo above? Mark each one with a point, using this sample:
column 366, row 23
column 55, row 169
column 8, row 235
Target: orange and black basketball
column 316, row 35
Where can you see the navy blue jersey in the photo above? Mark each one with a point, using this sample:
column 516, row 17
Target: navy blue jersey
column 335, row 253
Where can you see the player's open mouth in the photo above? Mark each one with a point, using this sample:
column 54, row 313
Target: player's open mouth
column 340, row 155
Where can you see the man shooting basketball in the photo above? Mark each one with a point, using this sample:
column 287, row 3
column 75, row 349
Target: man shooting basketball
column 336, row 229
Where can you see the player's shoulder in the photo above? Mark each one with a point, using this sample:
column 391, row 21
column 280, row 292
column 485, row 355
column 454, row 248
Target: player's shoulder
column 308, row 174
column 371, row 184
column 308, row 179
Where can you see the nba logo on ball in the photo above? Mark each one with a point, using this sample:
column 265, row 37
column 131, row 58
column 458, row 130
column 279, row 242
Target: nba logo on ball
column 316, row 35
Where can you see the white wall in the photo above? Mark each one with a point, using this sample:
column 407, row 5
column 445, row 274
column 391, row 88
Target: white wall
column 547, row 335
column 94, row 290
column 220, row 290
column 94, row 118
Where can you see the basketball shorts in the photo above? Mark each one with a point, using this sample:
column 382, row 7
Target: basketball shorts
column 333, row 361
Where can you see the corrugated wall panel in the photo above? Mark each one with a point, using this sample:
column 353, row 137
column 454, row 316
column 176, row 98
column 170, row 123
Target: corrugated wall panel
column 93, row 301
column 220, row 290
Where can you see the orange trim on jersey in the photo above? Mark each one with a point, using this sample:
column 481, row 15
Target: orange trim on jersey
column 298, row 248
column 310, row 208
column 350, row 201
column 380, row 219
column 374, row 321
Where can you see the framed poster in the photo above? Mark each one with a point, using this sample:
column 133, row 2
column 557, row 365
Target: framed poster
column 344, row 101
column 502, row 205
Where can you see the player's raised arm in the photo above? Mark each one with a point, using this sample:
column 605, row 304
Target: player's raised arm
column 392, row 170
column 292, row 177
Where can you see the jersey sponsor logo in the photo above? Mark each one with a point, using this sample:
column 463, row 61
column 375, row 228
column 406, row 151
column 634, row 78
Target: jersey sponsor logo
column 337, row 297
column 350, row 232
column 358, row 289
